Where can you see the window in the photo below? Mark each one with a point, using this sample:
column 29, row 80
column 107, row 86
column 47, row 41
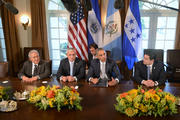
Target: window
column 57, row 21
column 158, row 25
column 2, row 44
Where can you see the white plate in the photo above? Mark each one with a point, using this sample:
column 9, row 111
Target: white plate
column 20, row 98
column 7, row 110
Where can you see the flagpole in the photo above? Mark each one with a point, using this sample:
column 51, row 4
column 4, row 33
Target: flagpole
column 175, row 9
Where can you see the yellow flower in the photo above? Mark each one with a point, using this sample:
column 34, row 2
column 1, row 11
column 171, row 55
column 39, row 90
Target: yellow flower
column 133, row 93
column 122, row 102
column 136, row 105
column 51, row 102
column 130, row 111
column 155, row 97
column 147, row 95
column 41, row 90
column 71, row 102
column 32, row 93
column 1, row 87
column 128, row 98
column 65, row 102
column 143, row 108
column 170, row 98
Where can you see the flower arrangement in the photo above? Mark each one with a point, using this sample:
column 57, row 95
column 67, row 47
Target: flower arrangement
column 44, row 97
column 146, row 102
column 5, row 93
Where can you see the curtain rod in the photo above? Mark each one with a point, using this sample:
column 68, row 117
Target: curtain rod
column 160, row 5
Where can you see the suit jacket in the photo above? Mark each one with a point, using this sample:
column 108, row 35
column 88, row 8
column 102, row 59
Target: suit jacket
column 78, row 68
column 90, row 58
column 111, row 69
column 43, row 69
column 158, row 73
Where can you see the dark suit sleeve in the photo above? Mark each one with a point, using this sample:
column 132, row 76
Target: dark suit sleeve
column 22, row 71
column 93, row 70
column 137, row 74
column 60, row 70
column 162, row 75
column 116, row 71
column 90, row 72
column 46, row 72
column 81, row 73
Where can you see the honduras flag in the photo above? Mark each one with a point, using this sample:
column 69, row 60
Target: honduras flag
column 112, row 33
column 132, row 39
column 94, row 25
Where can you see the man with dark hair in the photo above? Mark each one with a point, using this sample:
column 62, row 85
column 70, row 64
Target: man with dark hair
column 34, row 68
column 103, row 68
column 150, row 72
column 92, row 54
column 71, row 68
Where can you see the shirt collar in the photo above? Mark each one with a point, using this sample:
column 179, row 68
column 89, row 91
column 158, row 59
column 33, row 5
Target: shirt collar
column 71, row 62
column 102, row 62
column 149, row 65
column 34, row 64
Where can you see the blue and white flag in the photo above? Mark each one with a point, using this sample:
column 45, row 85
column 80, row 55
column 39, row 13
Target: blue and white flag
column 132, row 39
column 112, row 34
column 94, row 25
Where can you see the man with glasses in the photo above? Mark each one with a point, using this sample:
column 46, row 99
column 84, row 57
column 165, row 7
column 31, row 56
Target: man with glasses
column 34, row 68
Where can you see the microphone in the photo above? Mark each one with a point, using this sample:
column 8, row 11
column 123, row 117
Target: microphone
column 87, row 5
column 10, row 7
column 70, row 5
column 118, row 4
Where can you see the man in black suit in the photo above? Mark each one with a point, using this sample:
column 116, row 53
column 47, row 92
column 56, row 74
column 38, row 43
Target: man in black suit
column 92, row 54
column 103, row 68
column 34, row 68
column 71, row 68
column 150, row 72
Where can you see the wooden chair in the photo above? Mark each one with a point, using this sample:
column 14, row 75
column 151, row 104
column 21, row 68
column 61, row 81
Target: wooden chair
column 3, row 69
column 173, row 63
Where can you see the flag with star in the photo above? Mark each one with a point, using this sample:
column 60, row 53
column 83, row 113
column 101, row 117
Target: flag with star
column 77, row 33
column 132, row 38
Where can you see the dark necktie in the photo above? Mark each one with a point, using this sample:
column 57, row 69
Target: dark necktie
column 35, row 70
column 148, row 72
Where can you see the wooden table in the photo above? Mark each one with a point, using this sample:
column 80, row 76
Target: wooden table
column 98, row 103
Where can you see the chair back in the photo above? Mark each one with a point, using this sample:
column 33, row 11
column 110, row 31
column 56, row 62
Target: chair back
column 158, row 52
column 28, row 49
column 173, row 62
column 173, row 57
column 3, row 69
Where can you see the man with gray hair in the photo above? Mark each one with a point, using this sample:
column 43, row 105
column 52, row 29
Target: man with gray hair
column 71, row 68
column 34, row 68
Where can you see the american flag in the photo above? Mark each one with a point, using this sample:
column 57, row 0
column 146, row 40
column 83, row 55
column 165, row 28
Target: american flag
column 77, row 34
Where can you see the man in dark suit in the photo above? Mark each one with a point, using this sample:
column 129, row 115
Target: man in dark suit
column 103, row 68
column 150, row 72
column 34, row 68
column 92, row 54
column 71, row 68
